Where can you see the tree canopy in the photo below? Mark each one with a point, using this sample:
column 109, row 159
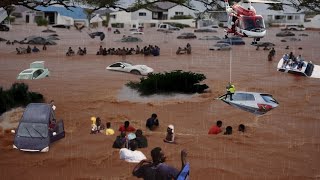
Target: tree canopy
column 313, row 5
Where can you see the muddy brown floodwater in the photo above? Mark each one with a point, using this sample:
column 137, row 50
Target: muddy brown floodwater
column 282, row 144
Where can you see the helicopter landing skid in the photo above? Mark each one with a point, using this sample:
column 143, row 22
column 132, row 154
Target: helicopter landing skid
column 255, row 41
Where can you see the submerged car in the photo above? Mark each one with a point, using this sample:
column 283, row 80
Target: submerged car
column 130, row 68
column 205, row 30
column 38, row 128
column 253, row 102
column 294, row 27
column 233, row 41
column 220, row 46
column 136, row 31
column 38, row 40
column 307, row 69
column 4, row 27
column 209, row 38
column 187, row 36
column 130, row 39
column 264, row 44
column 99, row 34
column 285, row 33
column 36, row 71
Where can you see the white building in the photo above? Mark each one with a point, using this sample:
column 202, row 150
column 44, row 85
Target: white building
column 288, row 15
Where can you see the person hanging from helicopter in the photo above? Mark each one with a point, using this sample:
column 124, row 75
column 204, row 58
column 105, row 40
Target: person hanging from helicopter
column 230, row 91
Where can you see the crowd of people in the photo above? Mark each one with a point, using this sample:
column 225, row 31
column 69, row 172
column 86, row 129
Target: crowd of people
column 146, row 50
column 28, row 50
column 80, row 51
column 292, row 61
column 216, row 129
column 184, row 50
column 130, row 140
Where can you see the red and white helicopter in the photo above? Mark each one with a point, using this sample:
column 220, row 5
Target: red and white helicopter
column 243, row 20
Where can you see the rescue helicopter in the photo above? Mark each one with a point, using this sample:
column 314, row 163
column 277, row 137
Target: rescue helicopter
column 243, row 20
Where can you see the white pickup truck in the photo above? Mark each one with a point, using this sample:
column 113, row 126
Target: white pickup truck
column 294, row 28
column 165, row 27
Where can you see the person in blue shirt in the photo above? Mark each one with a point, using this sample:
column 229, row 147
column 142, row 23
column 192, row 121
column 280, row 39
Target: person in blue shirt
column 153, row 122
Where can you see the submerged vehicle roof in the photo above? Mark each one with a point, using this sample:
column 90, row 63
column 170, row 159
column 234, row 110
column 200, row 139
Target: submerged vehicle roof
column 37, row 113
column 28, row 71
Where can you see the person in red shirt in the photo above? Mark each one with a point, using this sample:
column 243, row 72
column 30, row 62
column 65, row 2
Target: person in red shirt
column 216, row 129
column 126, row 127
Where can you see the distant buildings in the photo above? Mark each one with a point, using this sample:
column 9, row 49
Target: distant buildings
column 288, row 15
column 150, row 17
column 54, row 15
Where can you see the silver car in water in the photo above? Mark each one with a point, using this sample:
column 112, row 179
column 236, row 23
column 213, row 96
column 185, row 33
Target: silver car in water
column 36, row 71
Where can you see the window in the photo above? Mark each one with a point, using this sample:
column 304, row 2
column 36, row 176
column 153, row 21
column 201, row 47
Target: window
column 155, row 15
column 243, row 97
column 116, row 65
column 178, row 13
column 113, row 16
column 142, row 14
column 279, row 17
column 268, row 98
column 289, row 17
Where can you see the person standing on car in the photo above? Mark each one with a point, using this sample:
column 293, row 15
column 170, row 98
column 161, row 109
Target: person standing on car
column 230, row 91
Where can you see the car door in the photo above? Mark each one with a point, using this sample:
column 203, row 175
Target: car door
column 58, row 132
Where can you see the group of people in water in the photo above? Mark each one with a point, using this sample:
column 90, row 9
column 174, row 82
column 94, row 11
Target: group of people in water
column 184, row 50
column 131, row 139
column 80, row 51
column 216, row 129
column 29, row 50
column 292, row 61
column 146, row 50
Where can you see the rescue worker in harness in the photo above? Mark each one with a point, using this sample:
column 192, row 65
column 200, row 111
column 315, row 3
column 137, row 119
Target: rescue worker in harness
column 230, row 91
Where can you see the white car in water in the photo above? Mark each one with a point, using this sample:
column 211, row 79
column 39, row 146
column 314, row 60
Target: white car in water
column 307, row 69
column 36, row 71
column 130, row 68
column 254, row 102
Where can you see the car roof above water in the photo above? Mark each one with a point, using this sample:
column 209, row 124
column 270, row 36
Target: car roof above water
column 37, row 113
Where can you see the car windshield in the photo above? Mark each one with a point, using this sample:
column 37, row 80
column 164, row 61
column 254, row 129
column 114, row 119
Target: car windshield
column 268, row 98
column 250, row 23
column 33, row 130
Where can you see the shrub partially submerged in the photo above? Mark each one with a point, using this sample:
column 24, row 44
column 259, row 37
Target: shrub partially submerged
column 170, row 82
column 17, row 95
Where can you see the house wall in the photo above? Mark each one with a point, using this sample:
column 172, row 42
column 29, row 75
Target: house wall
column 283, row 19
column 178, row 8
column 64, row 20
column 190, row 22
column 121, row 17
column 135, row 15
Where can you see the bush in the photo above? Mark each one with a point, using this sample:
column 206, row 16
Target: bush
column 220, row 24
column 182, row 17
column 42, row 21
column 18, row 95
column 179, row 25
column 170, row 82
